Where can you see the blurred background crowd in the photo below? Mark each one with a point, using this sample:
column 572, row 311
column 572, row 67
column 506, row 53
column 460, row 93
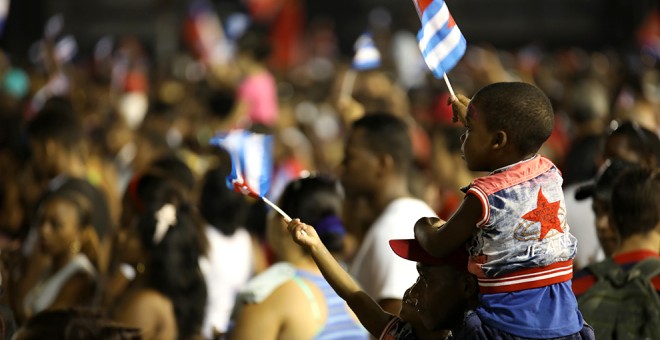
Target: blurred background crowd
column 107, row 108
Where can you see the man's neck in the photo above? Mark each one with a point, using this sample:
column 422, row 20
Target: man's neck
column 391, row 190
column 649, row 241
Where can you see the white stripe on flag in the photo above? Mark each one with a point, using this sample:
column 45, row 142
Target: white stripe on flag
column 443, row 49
column 254, row 158
column 431, row 28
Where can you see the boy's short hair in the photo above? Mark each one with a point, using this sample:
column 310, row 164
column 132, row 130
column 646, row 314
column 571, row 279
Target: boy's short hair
column 521, row 110
column 387, row 134
column 636, row 201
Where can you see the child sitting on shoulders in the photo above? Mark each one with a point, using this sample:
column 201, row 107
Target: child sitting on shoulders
column 521, row 249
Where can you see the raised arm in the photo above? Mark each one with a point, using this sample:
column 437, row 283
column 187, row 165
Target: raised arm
column 440, row 238
column 372, row 317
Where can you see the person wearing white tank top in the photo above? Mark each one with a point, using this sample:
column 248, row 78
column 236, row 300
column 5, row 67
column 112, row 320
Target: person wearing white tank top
column 67, row 238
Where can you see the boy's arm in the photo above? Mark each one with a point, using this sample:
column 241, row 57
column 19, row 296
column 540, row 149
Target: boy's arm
column 372, row 317
column 440, row 239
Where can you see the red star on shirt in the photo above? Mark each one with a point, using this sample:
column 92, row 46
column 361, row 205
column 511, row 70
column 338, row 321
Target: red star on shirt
column 546, row 214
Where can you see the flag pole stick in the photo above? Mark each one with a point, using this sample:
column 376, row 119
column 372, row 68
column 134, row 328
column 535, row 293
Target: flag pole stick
column 287, row 219
column 347, row 84
column 451, row 90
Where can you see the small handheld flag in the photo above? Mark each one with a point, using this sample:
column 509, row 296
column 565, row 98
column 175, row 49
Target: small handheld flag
column 366, row 58
column 205, row 33
column 251, row 164
column 440, row 40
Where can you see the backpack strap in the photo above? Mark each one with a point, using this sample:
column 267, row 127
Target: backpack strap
column 610, row 271
column 647, row 269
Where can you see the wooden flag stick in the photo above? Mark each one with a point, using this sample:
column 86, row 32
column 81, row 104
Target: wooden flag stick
column 451, row 90
column 287, row 219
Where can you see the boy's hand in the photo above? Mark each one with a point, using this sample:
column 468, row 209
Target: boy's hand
column 459, row 107
column 426, row 225
column 428, row 222
column 303, row 234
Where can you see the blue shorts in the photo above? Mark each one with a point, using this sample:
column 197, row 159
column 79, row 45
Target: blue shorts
column 473, row 328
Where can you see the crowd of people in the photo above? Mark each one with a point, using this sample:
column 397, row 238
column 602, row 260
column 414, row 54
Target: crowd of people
column 417, row 214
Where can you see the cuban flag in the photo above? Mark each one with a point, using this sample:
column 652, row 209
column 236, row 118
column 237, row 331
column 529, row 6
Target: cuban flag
column 366, row 56
column 251, row 161
column 440, row 40
column 205, row 34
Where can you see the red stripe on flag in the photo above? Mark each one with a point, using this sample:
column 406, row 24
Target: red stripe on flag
column 423, row 4
column 451, row 23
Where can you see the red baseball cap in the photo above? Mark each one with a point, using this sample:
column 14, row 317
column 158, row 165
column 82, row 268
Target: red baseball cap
column 410, row 249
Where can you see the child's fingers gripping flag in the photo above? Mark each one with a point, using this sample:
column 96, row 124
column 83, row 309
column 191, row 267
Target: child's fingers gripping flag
column 251, row 163
column 366, row 56
column 440, row 40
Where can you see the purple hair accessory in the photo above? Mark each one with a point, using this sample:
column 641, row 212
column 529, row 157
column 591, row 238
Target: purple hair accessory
column 330, row 224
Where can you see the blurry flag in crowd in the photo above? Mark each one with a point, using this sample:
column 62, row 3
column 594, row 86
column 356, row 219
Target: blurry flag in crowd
column 440, row 40
column 251, row 161
column 366, row 56
column 50, row 53
column 205, row 34
column 4, row 11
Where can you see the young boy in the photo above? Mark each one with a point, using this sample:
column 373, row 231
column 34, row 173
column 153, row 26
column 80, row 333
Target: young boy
column 521, row 250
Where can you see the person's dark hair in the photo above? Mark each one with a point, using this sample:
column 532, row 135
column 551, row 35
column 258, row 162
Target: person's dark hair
column 636, row 202
column 83, row 206
column 387, row 134
column 98, row 205
column 254, row 42
column 176, row 170
column 221, row 207
column 256, row 219
column 640, row 139
column 221, row 103
column 173, row 267
column 74, row 324
column 59, row 122
column 154, row 138
column 521, row 110
column 317, row 200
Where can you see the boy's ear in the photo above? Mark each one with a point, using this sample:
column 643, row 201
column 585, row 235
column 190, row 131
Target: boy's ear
column 500, row 139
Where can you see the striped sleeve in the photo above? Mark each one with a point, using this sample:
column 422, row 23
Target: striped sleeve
column 485, row 207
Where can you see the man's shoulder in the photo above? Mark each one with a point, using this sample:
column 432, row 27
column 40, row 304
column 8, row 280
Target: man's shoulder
column 398, row 219
column 405, row 208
